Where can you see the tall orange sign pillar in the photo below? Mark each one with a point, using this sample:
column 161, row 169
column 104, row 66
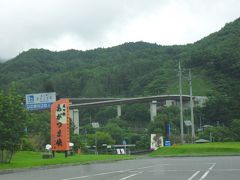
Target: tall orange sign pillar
column 60, row 120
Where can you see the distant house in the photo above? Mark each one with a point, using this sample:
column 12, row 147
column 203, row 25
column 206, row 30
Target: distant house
column 199, row 101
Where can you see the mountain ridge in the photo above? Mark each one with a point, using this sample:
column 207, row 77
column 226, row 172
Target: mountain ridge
column 130, row 69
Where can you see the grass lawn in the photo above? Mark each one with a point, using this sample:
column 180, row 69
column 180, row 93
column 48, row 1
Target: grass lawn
column 28, row 159
column 207, row 149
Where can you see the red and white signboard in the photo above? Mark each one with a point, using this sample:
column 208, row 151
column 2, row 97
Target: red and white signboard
column 60, row 133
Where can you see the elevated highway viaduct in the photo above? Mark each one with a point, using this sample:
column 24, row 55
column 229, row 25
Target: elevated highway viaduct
column 168, row 100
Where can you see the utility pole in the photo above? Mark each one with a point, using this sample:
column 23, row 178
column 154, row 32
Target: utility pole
column 95, row 125
column 181, row 105
column 191, row 105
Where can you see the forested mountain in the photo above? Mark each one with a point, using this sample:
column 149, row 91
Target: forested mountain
column 132, row 69
column 219, row 56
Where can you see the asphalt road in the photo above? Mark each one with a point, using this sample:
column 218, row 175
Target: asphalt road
column 184, row 168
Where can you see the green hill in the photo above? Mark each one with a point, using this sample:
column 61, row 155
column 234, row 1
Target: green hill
column 130, row 69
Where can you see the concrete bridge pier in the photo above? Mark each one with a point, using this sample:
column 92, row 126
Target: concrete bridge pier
column 119, row 111
column 74, row 115
column 153, row 110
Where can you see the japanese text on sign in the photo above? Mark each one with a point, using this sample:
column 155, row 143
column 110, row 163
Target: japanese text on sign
column 60, row 125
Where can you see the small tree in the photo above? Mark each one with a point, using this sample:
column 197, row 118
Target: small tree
column 13, row 118
column 102, row 138
column 116, row 132
column 235, row 129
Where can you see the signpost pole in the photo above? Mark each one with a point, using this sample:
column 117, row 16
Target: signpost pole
column 125, row 146
column 96, row 150
column 95, row 125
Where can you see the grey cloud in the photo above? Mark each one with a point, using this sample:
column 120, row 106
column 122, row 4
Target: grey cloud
column 26, row 23
column 37, row 23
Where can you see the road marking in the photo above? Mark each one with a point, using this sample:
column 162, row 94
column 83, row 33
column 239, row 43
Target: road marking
column 170, row 170
column 212, row 166
column 106, row 173
column 193, row 176
column 134, row 172
column 226, row 170
column 140, row 168
column 207, row 172
column 130, row 176
column 146, row 167
column 99, row 174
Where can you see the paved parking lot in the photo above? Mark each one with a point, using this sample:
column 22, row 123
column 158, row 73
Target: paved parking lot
column 184, row 168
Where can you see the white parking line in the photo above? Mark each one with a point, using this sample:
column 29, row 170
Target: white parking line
column 193, row 176
column 207, row 172
column 145, row 167
column 106, row 173
column 221, row 170
column 99, row 174
column 112, row 172
column 130, row 176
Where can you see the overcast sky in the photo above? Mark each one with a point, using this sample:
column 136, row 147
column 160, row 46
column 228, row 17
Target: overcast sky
column 88, row 24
